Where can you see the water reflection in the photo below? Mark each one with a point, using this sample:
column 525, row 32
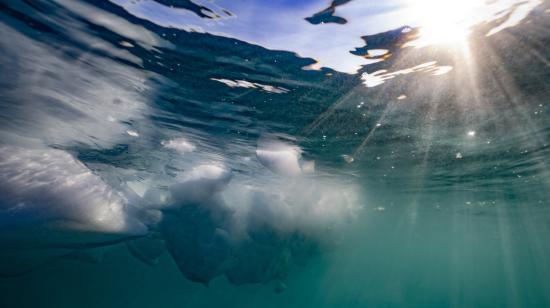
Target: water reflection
column 330, row 34
column 247, row 84
column 379, row 77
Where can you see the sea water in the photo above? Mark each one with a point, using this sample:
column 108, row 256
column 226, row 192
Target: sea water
column 269, row 154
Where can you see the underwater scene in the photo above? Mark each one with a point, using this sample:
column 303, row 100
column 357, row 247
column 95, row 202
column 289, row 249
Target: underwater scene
column 274, row 153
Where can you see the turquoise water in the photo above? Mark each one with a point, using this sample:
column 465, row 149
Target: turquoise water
column 268, row 154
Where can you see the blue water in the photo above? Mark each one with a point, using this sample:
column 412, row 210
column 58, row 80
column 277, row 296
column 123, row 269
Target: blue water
column 272, row 153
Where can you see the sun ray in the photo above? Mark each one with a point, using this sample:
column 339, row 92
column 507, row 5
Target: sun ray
column 328, row 112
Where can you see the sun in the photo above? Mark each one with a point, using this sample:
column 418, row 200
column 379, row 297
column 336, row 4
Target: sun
column 443, row 21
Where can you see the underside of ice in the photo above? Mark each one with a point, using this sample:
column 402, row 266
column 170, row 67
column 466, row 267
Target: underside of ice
column 212, row 221
column 49, row 187
column 280, row 158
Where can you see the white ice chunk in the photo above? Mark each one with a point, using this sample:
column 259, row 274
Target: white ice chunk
column 280, row 158
column 200, row 184
column 44, row 186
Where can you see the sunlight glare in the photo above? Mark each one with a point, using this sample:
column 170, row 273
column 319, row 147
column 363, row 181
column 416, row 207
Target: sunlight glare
column 443, row 21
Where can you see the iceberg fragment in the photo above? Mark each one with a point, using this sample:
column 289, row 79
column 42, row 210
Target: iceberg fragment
column 50, row 187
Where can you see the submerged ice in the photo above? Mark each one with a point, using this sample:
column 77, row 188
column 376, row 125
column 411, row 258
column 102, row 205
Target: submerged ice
column 249, row 233
column 51, row 188
column 212, row 221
